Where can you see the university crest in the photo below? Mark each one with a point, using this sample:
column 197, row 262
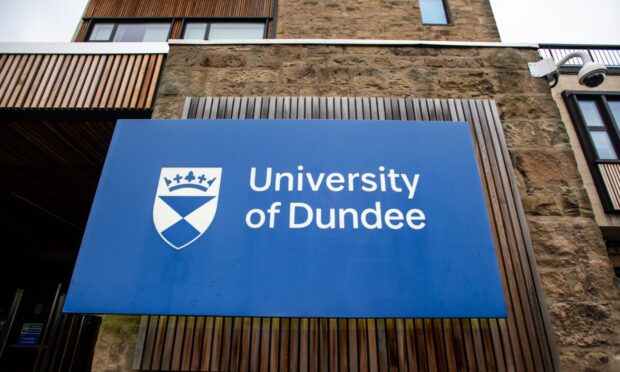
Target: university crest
column 185, row 204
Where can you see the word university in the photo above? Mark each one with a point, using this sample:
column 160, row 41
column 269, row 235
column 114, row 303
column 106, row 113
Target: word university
column 302, row 215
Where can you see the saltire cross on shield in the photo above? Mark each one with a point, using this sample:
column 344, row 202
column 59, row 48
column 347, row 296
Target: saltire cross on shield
column 185, row 203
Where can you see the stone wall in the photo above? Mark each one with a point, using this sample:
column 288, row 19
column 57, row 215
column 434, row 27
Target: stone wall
column 577, row 277
column 116, row 343
column 382, row 19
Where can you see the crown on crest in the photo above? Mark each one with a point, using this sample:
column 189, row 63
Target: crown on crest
column 189, row 181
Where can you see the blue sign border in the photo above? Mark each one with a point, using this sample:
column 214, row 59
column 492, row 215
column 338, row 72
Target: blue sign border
column 124, row 267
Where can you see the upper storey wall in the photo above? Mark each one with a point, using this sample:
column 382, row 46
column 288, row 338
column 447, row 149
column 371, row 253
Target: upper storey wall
column 470, row 20
column 383, row 19
column 173, row 9
column 179, row 8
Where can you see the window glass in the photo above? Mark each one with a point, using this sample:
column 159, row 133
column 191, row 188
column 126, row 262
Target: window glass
column 602, row 143
column 195, row 31
column 615, row 110
column 237, row 31
column 142, row 32
column 102, row 32
column 433, row 12
column 590, row 113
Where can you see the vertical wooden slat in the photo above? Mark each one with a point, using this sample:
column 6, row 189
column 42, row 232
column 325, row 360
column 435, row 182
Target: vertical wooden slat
column 440, row 346
column 274, row 345
column 323, row 344
column 8, row 76
column 294, row 348
column 31, row 81
column 201, row 345
column 284, row 353
column 521, row 303
column 246, row 339
column 410, row 342
column 449, row 344
column 333, row 344
column 175, row 363
column 227, row 332
column 84, row 81
column 255, row 345
column 391, row 340
column 63, row 78
column 236, row 344
column 207, row 343
column 362, row 344
column 50, row 81
column 72, row 87
column 216, row 348
column 160, row 338
column 382, row 347
column 304, row 336
column 11, row 85
column 371, row 337
column 265, row 335
column 177, row 8
column 140, row 342
column 611, row 179
column 397, row 344
column 401, row 352
column 168, row 349
column 506, row 268
column 420, row 343
column 188, row 342
column 343, row 344
column 314, row 351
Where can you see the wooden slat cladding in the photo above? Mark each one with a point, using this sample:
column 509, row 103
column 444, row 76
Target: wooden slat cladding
column 179, row 8
column 611, row 178
column 79, row 81
column 522, row 342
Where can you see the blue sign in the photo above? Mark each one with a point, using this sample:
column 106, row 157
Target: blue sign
column 289, row 218
column 30, row 334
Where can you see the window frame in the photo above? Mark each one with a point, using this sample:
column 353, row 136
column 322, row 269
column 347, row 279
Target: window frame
column 118, row 21
column 446, row 10
column 610, row 125
column 208, row 20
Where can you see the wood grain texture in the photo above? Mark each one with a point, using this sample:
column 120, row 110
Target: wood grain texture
column 78, row 81
column 522, row 342
column 611, row 178
column 179, row 8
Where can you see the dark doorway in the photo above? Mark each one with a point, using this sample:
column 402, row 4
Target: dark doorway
column 49, row 171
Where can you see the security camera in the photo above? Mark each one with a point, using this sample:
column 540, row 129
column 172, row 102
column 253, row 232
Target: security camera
column 591, row 74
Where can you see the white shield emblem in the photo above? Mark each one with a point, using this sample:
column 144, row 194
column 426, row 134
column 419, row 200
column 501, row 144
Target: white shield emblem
column 185, row 203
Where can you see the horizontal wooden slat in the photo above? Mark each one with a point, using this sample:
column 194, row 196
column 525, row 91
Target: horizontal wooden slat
column 611, row 179
column 522, row 342
column 179, row 8
column 79, row 81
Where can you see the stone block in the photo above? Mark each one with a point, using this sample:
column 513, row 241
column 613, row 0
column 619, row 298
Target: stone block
column 565, row 238
column 541, row 165
column 583, row 324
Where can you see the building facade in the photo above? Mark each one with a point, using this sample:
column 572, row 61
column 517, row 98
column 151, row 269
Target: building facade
column 550, row 190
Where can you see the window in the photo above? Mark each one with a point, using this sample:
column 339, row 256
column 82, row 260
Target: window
column 102, row 32
column 433, row 12
column 224, row 30
column 596, row 117
column 599, row 135
column 125, row 32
